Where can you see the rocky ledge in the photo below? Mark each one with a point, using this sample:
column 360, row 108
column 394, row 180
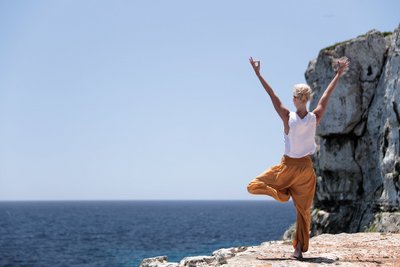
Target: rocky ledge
column 360, row 249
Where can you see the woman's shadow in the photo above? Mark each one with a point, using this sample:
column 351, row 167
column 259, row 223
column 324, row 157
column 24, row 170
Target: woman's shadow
column 310, row 259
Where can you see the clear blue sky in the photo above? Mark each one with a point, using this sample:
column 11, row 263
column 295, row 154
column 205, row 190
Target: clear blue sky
column 155, row 99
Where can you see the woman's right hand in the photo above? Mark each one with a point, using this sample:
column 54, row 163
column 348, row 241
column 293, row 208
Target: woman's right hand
column 342, row 65
column 256, row 65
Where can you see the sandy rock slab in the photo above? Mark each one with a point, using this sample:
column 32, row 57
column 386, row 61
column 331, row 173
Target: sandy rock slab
column 360, row 249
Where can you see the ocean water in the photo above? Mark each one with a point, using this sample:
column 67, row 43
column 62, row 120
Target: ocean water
column 122, row 233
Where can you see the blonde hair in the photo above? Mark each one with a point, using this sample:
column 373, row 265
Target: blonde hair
column 302, row 91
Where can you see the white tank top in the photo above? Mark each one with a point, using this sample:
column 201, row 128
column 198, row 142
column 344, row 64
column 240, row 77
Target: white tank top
column 300, row 141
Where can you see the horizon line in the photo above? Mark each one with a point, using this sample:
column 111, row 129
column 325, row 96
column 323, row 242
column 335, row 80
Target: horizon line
column 126, row 200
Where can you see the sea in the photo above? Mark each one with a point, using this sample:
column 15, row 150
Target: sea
column 123, row 233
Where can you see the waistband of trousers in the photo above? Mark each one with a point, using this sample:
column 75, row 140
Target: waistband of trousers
column 304, row 161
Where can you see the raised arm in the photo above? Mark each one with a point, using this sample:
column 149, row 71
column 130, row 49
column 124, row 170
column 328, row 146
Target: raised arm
column 319, row 111
column 282, row 111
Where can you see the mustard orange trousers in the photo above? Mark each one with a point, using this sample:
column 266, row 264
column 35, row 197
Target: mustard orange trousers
column 293, row 177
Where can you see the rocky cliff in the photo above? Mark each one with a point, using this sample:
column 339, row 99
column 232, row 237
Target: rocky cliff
column 358, row 157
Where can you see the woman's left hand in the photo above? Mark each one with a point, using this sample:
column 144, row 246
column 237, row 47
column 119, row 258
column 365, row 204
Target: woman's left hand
column 255, row 64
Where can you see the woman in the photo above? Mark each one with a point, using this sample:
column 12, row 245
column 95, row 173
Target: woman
column 295, row 175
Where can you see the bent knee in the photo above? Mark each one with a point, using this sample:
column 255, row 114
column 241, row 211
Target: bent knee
column 249, row 188
column 253, row 186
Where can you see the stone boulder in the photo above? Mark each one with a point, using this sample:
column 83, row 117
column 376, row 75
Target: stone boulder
column 160, row 261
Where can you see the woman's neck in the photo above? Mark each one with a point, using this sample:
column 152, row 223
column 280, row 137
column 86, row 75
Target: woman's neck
column 302, row 112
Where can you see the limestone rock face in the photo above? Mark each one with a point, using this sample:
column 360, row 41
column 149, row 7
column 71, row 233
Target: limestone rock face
column 353, row 95
column 358, row 157
column 386, row 222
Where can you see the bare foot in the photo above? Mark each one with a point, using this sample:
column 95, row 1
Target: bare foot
column 297, row 252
